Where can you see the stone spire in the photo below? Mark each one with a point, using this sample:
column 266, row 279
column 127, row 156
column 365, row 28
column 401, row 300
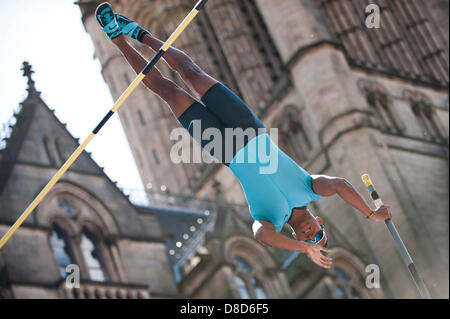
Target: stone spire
column 28, row 72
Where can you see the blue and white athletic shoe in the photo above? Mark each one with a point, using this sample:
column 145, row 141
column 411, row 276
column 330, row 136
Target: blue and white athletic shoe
column 107, row 19
column 131, row 28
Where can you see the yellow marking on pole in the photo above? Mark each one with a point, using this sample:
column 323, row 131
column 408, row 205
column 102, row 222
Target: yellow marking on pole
column 366, row 180
column 45, row 191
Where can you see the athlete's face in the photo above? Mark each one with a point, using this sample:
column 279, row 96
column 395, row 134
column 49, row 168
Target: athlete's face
column 309, row 229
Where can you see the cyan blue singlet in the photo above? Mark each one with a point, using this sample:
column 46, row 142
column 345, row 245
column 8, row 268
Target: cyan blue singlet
column 273, row 183
column 273, row 186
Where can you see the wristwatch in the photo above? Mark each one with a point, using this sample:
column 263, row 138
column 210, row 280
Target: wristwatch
column 372, row 213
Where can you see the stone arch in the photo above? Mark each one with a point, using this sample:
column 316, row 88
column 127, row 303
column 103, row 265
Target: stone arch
column 381, row 104
column 348, row 277
column 66, row 225
column 73, row 210
column 263, row 266
column 424, row 111
column 71, row 206
column 246, row 247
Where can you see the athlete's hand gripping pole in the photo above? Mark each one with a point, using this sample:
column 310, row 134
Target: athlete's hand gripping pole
column 420, row 284
column 116, row 106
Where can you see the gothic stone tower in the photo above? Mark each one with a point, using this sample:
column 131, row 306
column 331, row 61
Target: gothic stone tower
column 346, row 99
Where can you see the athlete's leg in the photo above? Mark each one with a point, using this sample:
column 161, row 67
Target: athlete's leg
column 190, row 72
column 186, row 109
column 178, row 99
column 220, row 100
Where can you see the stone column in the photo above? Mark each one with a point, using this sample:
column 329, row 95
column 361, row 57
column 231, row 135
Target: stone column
column 294, row 25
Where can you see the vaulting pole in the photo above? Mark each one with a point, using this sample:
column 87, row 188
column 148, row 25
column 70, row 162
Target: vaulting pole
column 420, row 284
column 116, row 106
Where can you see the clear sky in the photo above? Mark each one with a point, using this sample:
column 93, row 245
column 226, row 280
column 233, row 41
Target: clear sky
column 50, row 35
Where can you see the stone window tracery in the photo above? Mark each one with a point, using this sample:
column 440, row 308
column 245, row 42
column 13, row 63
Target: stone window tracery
column 380, row 103
column 79, row 229
column 246, row 282
column 426, row 116
column 346, row 280
column 61, row 248
column 92, row 256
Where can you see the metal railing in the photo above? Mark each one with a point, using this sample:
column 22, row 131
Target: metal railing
column 100, row 290
column 145, row 198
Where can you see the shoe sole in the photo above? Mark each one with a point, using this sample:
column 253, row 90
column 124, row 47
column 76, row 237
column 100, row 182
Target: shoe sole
column 100, row 8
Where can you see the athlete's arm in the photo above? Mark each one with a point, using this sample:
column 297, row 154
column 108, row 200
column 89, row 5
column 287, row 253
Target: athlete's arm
column 329, row 186
column 265, row 233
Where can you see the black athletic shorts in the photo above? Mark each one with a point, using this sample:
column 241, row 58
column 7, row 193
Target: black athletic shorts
column 222, row 110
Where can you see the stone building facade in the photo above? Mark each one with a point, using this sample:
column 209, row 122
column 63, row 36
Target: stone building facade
column 346, row 99
column 87, row 240
column 85, row 220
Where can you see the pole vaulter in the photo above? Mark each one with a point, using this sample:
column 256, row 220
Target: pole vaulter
column 190, row 17
column 420, row 284
column 278, row 194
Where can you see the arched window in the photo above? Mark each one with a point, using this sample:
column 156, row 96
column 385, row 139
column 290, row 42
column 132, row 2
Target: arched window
column 247, row 284
column 347, row 278
column 379, row 101
column 69, row 209
column 259, row 290
column 79, row 226
column 92, row 257
column 346, row 285
column 242, row 287
column 61, row 248
column 425, row 116
column 256, row 267
column 242, row 265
